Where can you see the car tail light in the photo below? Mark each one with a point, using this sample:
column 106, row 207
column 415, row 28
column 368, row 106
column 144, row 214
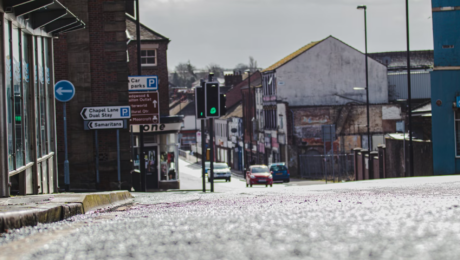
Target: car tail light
column 288, row 171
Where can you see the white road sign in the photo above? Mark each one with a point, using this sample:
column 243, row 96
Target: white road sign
column 109, row 124
column 118, row 112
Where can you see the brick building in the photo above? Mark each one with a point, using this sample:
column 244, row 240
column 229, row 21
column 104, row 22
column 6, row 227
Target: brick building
column 250, row 130
column 99, row 61
column 154, row 47
column 95, row 61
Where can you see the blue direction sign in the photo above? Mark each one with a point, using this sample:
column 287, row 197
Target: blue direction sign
column 458, row 102
column 64, row 91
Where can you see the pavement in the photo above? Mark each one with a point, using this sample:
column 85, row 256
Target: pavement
column 21, row 211
column 406, row 218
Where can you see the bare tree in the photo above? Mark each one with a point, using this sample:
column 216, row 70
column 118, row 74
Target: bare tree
column 252, row 64
column 186, row 70
column 241, row 67
column 216, row 69
column 185, row 74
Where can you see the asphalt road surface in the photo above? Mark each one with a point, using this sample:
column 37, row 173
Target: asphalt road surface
column 415, row 218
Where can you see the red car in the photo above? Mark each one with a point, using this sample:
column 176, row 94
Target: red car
column 259, row 175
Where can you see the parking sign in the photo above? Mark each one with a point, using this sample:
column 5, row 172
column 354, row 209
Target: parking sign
column 143, row 83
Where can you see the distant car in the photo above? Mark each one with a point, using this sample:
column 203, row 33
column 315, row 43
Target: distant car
column 221, row 171
column 280, row 172
column 259, row 175
column 207, row 166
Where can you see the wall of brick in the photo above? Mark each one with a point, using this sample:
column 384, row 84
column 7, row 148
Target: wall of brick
column 95, row 60
column 395, row 164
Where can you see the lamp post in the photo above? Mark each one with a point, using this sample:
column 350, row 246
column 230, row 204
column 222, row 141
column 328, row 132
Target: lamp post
column 363, row 7
column 409, row 95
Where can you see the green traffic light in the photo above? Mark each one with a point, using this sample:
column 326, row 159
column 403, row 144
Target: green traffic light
column 213, row 111
column 201, row 113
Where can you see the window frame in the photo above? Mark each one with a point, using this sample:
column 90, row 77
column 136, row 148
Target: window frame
column 149, row 57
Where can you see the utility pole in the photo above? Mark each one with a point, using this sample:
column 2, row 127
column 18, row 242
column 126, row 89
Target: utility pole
column 250, row 121
column 369, row 141
column 211, row 142
column 409, row 95
column 139, row 72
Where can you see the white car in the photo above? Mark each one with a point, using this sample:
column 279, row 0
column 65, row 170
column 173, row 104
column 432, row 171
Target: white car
column 221, row 171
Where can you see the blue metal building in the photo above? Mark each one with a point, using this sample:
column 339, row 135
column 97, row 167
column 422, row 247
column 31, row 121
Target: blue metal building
column 445, row 82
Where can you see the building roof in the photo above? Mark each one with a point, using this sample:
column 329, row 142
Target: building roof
column 397, row 60
column 147, row 34
column 306, row 48
column 235, row 111
column 185, row 108
column 424, row 111
column 292, row 56
column 234, row 95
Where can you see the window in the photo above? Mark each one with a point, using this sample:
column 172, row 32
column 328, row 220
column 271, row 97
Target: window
column 48, row 89
column 281, row 122
column 42, row 116
column 9, row 101
column 457, row 134
column 27, row 101
column 149, row 57
column 17, row 99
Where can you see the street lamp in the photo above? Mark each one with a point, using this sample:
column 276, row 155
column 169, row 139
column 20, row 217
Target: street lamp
column 409, row 95
column 363, row 7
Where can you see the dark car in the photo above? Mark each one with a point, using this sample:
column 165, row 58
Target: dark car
column 280, row 172
column 259, row 175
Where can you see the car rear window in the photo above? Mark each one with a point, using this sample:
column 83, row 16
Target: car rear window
column 259, row 169
column 278, row 168
column 220, row 166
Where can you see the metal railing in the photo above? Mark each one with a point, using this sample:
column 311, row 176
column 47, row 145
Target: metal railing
column 330, row 167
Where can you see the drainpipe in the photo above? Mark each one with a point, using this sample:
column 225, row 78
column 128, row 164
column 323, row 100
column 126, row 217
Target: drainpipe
column 244, row 135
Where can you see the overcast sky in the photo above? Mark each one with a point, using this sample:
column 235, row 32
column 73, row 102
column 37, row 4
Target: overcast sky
column 227, row 32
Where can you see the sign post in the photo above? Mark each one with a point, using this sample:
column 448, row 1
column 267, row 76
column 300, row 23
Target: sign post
column 145, row 108
column 105, row 124
column 106, row 113
column 143, row 99
column 123, row 113
column 64, row 91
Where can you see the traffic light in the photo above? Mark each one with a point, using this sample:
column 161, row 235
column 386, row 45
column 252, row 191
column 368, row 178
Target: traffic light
column 208, row 154
column 212, row 100
column 223, row 104
column 200, row 103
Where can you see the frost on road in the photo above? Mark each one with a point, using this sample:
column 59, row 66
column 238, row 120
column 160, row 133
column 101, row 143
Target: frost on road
column 416, row 218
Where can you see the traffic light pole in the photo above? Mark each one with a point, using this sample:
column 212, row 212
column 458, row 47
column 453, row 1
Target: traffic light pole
column 211, row 134
column 203, row 157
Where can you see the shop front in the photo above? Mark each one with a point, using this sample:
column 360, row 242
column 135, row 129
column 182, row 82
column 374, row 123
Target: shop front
column 157, row 149
column 28, row 125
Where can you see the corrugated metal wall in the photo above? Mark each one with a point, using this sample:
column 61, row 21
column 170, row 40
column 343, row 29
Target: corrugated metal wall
column 420, row 81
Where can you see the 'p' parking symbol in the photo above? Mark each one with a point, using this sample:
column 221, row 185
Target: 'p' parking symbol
column 124, row 112
column 151, row 82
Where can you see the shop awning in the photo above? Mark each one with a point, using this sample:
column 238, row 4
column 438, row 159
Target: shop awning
column 50, row 15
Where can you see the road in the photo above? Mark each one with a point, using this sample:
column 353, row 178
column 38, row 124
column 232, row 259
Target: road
column 413, row 218
column 190, row 179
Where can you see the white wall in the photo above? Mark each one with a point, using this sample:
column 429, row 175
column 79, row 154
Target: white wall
column 281, row 110
column 189, row 123
column 329, row 69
